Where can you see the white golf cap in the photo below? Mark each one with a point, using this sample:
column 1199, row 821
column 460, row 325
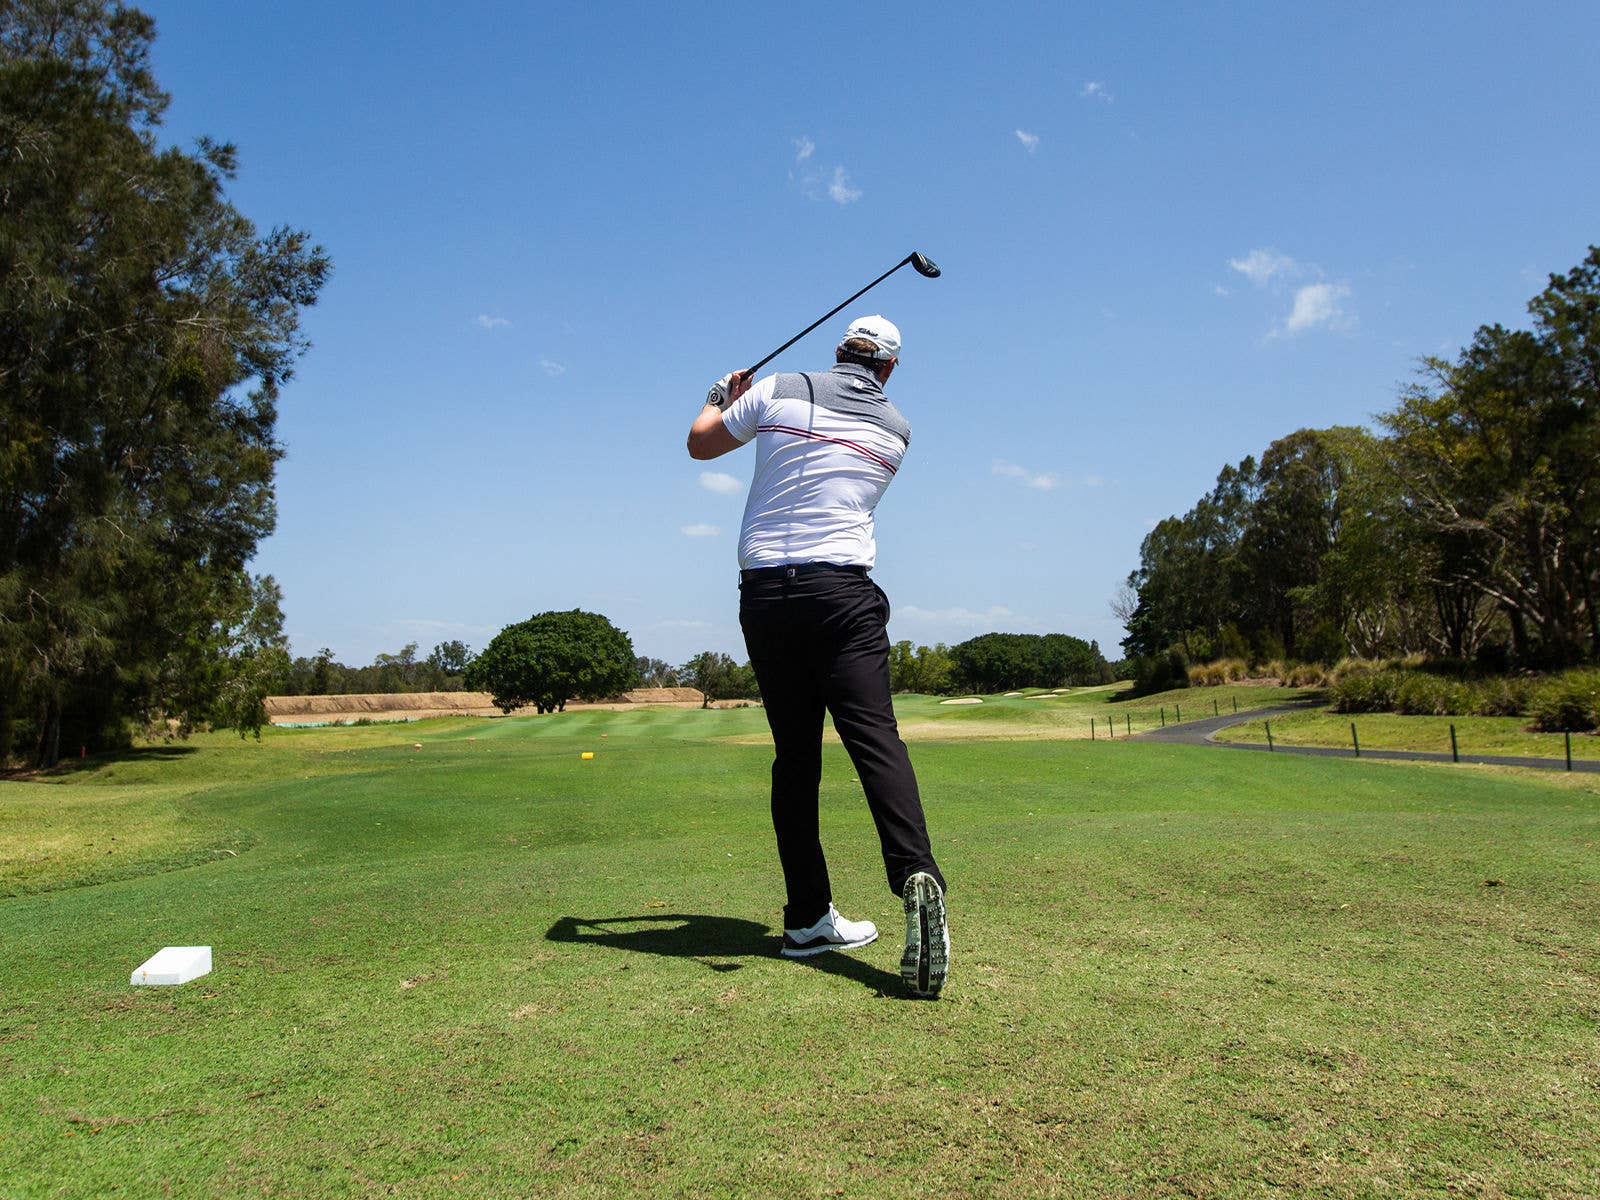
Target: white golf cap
column 880, row 331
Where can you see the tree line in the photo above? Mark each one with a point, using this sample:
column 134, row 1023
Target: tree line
column 992, row 662
column 997, row 662
column 443, row 670
column 1467, row 526
column 146, row 329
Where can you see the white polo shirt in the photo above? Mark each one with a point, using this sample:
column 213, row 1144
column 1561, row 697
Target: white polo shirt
column 825, row 454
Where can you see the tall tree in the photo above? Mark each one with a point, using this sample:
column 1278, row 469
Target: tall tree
column 145, row 331
column 718, row 677
column 1192, row 576
column 1500, row 453
column 551, row 658
column 656, row 672
column 1295, row 523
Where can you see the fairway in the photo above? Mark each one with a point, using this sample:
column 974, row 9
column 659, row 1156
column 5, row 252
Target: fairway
column 489, row 968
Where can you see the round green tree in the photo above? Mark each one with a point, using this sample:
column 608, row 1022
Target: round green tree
column 551, row 658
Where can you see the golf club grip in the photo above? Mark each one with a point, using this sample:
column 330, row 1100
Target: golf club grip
column 848, row 299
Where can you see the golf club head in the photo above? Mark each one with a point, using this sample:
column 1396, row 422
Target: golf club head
column 924, row 265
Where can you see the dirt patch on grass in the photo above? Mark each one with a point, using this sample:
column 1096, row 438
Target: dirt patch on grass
column 417, row 706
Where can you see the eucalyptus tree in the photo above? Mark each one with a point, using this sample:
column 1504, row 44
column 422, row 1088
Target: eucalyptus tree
column 1498, row 452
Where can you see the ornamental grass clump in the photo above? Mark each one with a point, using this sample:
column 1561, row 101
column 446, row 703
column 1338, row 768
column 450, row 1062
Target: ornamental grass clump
column 1215, row 674
column 1567, row 702
column 1423, row 695
column 1306, row 675
column 1502, row 696
column 1367, row 691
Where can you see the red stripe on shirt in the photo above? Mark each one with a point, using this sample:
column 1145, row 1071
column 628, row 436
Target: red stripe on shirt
column 822, row 437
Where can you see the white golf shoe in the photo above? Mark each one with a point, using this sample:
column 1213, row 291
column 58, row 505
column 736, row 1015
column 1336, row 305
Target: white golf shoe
column 831, row 932
column 927, row 958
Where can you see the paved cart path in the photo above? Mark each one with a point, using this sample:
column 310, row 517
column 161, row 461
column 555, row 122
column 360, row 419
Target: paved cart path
column 1204, row 733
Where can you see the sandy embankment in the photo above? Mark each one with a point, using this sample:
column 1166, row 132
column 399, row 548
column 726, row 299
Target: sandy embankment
column 415, row 706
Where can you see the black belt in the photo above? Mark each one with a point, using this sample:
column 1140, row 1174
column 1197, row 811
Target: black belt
column 795, row 570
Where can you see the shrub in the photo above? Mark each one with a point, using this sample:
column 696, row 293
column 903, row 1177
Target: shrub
column 1569, row 701
column 1421, row 694
column 1367, row 691
column 1160, row 672
column 1350, row 666
column 1505, row 696
column 1561, row 702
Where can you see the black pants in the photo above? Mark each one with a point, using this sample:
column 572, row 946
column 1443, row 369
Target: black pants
column 817, row 641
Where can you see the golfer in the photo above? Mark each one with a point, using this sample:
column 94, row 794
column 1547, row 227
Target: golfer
column 827, row 446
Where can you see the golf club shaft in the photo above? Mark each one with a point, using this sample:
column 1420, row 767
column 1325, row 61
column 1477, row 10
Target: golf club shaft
column 829, row 313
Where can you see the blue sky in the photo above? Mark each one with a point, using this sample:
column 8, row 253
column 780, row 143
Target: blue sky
column 1170, row 234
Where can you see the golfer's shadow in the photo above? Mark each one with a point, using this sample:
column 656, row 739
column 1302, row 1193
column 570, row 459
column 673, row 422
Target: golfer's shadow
column 713, row 941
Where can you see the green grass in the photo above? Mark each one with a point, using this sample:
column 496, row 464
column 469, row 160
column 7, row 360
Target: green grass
column 486, row 968
column 1389, row 731
column 1037, row 713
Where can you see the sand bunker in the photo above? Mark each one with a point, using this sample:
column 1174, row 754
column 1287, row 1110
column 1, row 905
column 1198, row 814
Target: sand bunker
column 963, row 700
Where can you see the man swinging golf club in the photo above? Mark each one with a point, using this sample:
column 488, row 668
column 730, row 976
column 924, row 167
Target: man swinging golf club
column 827, row 446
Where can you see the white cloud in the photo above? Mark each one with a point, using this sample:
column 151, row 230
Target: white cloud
column 485, row 321
column 840, row 189
column 1041, row 480
column 552, row 368
column 1093, row 480
column 700, row 531
column 804, row 148
column 682, row 623
column 1219, row 290
column 1318, row 304
column 1095, row 90
column 1259, row 266
column 1030, row 141
column 720, row 483
column 965, row 617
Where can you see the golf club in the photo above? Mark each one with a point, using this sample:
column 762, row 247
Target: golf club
column 924, row 266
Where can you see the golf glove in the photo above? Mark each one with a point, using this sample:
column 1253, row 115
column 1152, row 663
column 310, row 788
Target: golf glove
column 721, row 393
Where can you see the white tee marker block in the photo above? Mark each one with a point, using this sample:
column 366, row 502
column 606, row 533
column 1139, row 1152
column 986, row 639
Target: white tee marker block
column 173, row 965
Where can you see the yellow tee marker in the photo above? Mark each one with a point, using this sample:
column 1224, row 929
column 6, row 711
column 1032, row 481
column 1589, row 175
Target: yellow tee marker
column 587, row 754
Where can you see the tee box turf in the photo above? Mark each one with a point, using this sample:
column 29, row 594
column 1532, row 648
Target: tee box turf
column 173, row 965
